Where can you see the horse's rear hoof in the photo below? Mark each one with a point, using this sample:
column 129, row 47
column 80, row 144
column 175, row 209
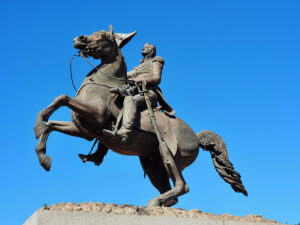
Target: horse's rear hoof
column 46, row 163
column 39, row 129
column 171, row 202
column 154, row 202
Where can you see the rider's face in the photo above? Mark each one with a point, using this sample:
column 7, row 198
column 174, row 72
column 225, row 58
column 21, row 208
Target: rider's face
column 146, row 50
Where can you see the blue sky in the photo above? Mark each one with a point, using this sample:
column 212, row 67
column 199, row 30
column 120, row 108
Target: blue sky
column 231, row 67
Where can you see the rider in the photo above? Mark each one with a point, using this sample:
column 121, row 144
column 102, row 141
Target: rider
column 148, row 72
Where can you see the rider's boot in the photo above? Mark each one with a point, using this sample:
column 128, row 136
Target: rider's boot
column 125, row 131
column 95, row 158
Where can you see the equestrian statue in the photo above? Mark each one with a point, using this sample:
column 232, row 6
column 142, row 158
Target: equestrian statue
column 127, row 113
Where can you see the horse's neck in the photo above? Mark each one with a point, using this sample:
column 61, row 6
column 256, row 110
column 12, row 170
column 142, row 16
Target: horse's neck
column 116, row 66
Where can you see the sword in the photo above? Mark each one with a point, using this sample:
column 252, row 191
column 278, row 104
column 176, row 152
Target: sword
column 165, row 154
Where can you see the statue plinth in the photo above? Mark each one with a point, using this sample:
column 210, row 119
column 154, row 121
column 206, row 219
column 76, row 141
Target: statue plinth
column 110, row 214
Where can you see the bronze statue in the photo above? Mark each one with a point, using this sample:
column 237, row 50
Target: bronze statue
column 164, row 143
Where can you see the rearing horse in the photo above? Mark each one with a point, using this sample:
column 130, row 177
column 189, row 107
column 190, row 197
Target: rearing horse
column 95, row 108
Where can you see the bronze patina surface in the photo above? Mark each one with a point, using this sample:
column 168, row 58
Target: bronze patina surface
column 120, row 110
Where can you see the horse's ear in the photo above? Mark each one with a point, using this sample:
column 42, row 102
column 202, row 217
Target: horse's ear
column 110, row 30
column 123, row 39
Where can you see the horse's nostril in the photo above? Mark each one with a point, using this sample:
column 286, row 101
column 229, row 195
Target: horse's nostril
column 81, row 37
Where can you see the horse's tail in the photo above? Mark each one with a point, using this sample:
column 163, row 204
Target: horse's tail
column 213, row 143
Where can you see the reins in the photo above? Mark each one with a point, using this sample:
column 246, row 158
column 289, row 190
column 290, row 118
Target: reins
column 71, row 70
column 80, row 55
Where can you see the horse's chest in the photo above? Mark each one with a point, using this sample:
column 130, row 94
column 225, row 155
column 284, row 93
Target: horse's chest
column 91, row 94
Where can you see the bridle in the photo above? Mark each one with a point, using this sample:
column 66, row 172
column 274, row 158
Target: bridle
column 97, row 69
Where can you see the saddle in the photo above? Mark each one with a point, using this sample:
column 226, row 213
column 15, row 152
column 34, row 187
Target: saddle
column 163, row 120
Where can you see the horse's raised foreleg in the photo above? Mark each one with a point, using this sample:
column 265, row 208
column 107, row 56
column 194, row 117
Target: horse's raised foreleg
column 89, row 112
column 69, row 128
column 60, row 126
column 40, row 149
column 180, row 187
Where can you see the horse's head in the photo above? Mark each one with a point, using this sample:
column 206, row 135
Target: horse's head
column 101, row 44
column 98, row 45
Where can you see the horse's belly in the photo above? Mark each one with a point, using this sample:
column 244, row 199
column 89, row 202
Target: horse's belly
column 187, row 142
column 139, row 143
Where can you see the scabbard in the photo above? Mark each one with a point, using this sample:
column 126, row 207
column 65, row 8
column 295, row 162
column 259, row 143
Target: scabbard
column 165, row 154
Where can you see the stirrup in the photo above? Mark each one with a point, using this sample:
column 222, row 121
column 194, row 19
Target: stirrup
column 124, row 138
column 124, row 132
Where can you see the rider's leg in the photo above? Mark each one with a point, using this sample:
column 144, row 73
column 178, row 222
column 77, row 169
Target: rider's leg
column 129, row 117
column 131, row 106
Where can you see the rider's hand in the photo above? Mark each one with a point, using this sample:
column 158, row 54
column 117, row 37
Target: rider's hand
column 140, row 81
column 130, row 81
column 114, row 90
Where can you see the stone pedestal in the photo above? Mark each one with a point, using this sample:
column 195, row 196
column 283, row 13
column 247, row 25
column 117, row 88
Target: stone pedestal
column 46, row 217
column 111, row 214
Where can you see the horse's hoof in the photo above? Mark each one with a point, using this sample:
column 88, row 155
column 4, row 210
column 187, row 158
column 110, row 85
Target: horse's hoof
column 39, row 129
column 154, row 202
column 171, row 202
column 46, row 163
column 40, row 148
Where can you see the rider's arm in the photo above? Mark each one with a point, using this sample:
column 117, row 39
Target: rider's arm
column 155, row 78
column 131, row 73
column 156, row 74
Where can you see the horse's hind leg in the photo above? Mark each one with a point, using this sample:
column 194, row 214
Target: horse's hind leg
column 89, row 112
column 180, row 186
column 155, row 170
column 61, row 126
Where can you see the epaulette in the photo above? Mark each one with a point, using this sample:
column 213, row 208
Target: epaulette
column 158, row 59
